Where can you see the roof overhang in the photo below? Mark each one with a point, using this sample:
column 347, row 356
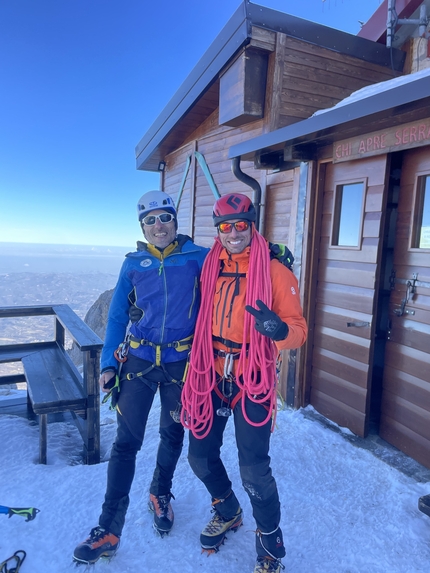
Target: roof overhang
column 300, row 141
column 160, row 140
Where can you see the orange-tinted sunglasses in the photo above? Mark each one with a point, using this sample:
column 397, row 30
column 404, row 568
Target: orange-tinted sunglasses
column 240, row 226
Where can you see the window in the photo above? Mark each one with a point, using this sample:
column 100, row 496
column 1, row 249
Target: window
column 421, row 219
column 348, row 215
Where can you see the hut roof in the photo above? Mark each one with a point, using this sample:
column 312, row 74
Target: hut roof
column 198, row 97
column 377, row 106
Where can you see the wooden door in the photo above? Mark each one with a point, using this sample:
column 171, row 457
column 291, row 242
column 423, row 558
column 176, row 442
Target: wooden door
column 346, row 291
column 405, row 409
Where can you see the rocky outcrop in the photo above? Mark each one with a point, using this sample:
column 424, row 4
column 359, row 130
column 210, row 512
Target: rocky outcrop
column 96, row 318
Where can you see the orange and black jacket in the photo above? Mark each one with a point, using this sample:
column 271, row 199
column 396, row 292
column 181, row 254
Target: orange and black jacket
column 229, row 304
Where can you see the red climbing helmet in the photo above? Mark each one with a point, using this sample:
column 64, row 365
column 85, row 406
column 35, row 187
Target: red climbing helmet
column 233, row 206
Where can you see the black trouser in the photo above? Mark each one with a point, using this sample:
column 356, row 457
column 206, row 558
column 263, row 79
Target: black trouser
column 134, row 404
column 254, row 461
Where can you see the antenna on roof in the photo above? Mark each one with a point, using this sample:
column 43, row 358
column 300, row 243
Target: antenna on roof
column 393, row 20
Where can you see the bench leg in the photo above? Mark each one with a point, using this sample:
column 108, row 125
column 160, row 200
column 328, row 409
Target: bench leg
column 43, row 423
column 30, row 413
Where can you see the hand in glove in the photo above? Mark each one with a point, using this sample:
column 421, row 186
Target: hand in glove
column 112, row 388
column 268, row 322
column 135, row 313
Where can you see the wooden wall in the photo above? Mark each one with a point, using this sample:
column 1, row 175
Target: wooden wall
column 175, row 170
column 315, row 78
column 213, row 142
column 346, row 291
column 405, row 410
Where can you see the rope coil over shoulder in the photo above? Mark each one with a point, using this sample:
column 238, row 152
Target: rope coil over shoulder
column 257, row 365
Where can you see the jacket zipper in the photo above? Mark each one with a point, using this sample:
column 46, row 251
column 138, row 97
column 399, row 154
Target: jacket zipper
column 196, row 284
column 160, row 270
column 224, row 309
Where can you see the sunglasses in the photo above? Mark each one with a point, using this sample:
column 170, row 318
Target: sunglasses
column 240, row 226
column 149, row 220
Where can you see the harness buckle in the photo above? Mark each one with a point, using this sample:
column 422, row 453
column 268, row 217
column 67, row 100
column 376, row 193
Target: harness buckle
column 228, row 363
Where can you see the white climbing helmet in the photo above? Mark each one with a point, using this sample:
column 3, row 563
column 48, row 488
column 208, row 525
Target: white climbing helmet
column 155, row 200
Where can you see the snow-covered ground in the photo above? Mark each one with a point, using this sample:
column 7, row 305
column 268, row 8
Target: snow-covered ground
column 343, row 509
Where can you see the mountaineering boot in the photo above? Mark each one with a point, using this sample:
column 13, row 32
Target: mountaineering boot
column 268, row 565
column 227, row 516
column 270, row 549
column 100, row 543
column 163, row 512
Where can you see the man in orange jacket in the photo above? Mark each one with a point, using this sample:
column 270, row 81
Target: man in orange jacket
column 250, row 310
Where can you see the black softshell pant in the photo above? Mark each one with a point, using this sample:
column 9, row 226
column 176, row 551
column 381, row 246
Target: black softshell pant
column 134, row 404
column 254, row 462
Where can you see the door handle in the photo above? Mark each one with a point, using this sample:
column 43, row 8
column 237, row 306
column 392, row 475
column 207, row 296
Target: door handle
column 358, row 324
column 410, row 291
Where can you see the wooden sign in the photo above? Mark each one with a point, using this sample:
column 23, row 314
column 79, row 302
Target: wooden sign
column 406, row 136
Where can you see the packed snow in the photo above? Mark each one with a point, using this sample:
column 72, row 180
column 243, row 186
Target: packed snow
column 378, row 88
column 343, row 509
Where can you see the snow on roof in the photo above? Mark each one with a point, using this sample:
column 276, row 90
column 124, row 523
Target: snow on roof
column 380, row 87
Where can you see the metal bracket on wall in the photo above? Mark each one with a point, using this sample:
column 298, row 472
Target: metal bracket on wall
column 202, row 162
column 410, row 291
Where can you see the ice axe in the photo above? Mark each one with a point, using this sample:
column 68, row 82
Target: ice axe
column 28, row 512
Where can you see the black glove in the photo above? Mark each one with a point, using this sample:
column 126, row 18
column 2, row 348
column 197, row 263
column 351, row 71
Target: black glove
column 113, row 386
column 268, row 322
column 134, row 313
column 282, row 253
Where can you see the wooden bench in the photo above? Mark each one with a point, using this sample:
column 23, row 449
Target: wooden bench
column 54, row 384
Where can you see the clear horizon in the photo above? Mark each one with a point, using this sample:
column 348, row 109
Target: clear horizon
column 82, row 84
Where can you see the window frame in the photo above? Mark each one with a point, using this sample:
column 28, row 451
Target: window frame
column 335, row 221
column 417, row 212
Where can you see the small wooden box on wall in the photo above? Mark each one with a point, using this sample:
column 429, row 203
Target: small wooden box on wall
column 242, row 88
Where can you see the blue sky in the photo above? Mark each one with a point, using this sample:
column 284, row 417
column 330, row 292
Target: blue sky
column 81, row 82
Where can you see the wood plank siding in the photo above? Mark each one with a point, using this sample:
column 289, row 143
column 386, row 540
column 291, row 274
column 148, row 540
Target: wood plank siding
column 213, row 142
column 301, row 79
column 405, row 411
column 346, row 295
column 175, row 165
column 316, row 78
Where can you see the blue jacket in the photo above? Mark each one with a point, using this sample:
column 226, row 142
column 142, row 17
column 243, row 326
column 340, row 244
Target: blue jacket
column 167, row 290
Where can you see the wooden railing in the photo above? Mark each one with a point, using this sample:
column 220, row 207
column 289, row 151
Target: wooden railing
column 54, row 384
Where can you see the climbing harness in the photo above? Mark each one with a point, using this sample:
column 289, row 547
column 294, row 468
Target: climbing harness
column 16, row 559
column 178, row 345
column 226, row 390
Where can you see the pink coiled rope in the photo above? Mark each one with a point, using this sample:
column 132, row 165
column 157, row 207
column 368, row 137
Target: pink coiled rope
column 257, row 365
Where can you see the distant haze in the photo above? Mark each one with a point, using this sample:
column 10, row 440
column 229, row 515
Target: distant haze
column 42, row 258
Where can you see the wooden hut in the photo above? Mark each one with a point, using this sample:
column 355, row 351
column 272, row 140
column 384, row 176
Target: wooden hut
column 347, row 189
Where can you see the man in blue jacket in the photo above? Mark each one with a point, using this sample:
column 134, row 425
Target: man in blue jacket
column 161, row 280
